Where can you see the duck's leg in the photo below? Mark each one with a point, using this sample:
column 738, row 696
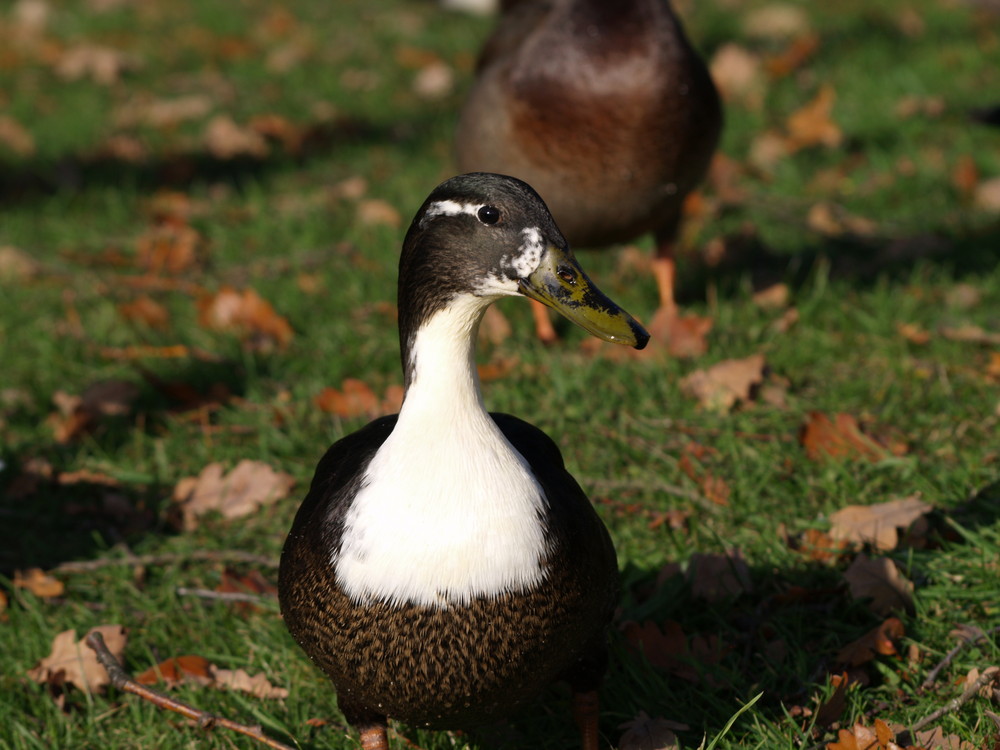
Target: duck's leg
column 543, row 324
column 586, row 714
column 665, row 269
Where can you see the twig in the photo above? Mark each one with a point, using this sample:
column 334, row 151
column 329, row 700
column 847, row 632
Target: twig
column 86, row 566
column 950, row 656
column 951, row 706
column 226, row 596
column 121, row 680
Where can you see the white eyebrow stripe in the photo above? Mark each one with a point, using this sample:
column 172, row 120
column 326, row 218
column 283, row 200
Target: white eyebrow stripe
column 450, row 208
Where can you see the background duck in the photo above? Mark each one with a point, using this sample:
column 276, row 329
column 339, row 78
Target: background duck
column 607, row 110
column 444, row 566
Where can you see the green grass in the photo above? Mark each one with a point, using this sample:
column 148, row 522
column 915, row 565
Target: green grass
column 623, row 427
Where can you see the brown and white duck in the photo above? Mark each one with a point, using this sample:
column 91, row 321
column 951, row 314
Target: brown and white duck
column 603, row 107
column 445, row 566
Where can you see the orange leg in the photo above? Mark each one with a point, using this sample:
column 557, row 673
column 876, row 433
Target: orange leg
column 585, row 713
column 665, row 271
column 374, row 738
column 543, row 325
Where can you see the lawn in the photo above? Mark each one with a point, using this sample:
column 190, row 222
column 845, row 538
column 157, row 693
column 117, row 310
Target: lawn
column 201, row 209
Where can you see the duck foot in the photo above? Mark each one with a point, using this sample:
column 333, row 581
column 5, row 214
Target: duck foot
column 585, row 713
column 374, row 738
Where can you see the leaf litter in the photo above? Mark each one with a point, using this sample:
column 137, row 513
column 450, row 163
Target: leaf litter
column 240, row 492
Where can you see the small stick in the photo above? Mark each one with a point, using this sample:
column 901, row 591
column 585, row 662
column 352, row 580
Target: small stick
column 121, row 680
column 951, row 706
column 225, row 596
column 950, row 656
column 86, row 566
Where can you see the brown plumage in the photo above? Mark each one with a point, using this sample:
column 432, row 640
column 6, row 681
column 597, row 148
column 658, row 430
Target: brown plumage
column 605, row 109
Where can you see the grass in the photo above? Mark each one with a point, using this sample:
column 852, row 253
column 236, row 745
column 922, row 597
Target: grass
column 623, row 427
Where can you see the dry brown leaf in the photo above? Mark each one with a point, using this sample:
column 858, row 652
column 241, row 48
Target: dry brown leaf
column 354, row 399
column 685, row 335
column 879, row 580
column 78, row 415
column 973, row 675
column 879, row 640
column 811, row 125
column 249, row 486
column 877, row 524
column 38, row 582
column 16, row 265
column 176, row 670
column 434, row 81
column 256, row 685
column 776, row 21
column 737, row 73
column 965, row 176
column 774, row 297
column 795, row 55
column 145, row 310
column 987, row 195
column 830, row 710
column 816, row 545
column 171, row 247
column 104, row 65
column 840, row 437
column 936, row 739
column 913, row 333
column 644, row 733
column 226, row 140
column 718, row 577
column 246, row 313
column 15, row 137
column 970, row 334
column 725, row 384
column 72, row 662
column 767, row 150
column 497, row 368
column 833, row 221
column 691, row 463
column 162, row 113
column 377, row 212
column 671, row 650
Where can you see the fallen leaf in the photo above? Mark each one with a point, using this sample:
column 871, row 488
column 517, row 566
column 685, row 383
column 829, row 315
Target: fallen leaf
column 913, row 333
column 72, row 662
column 162, row 113
column 965, row 176
column 715, row 577
column 737, row 73
column 376, row 212
column 38, row 582
column 147, row 311
column 78, row 415
column 16, row 265
column 714, row 488
column 434, row 81
column 819, row 546
column 838, row 438
column 877, row 524
column 246, row 313
column 880, row 640
column 256, row 685
column 178, row 669
column 936, row 739
column 226, row 140
column 829, row 711
column 354, row 399
column 810, row 125
column 249, row 486
column 15, row 137
column 774, row 297
column 671, row 650
column 970, row 334
column 963, row 296
column 776, row 21
column 644, row 733
column 685, row 335
column 879, row 580
column 767, row 150
column 171, row 247
column 833, row 221
column 725, row 384
column 987, row 195
column 104, row 65
column 795, row 55
column 973, row 675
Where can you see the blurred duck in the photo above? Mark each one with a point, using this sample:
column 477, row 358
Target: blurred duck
column 606, row 110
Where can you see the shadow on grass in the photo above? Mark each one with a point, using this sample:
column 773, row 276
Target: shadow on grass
column 49, row 515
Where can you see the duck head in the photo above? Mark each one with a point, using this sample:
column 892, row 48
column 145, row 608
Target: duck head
column 489, row 236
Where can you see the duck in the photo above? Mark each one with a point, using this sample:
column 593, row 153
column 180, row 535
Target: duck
column 445, row 566
column 607, row 110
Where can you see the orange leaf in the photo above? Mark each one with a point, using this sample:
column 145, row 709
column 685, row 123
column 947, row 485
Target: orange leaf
column 879, row 640
column 811, row 125
column 838, row 438
column 145, row 310
column 178, row 669
column 723, row 385
column 354, row 399
column 38, row 582
column 794, row 56
column 246, row 313
column 170, row 248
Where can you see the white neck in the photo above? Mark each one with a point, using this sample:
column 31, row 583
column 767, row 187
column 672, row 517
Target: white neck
column 449, row 511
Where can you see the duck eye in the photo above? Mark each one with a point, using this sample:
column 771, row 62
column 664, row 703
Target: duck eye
column 489, row 214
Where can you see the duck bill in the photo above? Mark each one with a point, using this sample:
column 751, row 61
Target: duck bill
column 560, row 283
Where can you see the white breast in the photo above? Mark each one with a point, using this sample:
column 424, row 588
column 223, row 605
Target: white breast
column 449, row 510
